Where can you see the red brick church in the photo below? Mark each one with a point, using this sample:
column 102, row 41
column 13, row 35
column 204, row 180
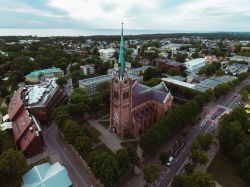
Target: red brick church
column 134, row 107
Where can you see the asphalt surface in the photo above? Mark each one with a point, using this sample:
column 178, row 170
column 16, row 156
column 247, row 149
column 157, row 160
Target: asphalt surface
column 58, row 150
column 211, row 115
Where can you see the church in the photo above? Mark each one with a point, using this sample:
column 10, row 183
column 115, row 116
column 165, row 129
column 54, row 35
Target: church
column 134, row 107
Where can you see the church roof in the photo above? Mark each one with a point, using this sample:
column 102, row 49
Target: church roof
column 142, row 93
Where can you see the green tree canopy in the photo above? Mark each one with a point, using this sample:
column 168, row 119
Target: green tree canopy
column 151, row 172
column 12, row 166
column 105, row 166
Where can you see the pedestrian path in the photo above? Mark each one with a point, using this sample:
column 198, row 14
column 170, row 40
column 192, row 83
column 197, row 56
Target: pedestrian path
column 108, row 138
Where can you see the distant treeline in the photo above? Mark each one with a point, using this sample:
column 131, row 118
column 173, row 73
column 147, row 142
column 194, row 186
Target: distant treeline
column 214, row 35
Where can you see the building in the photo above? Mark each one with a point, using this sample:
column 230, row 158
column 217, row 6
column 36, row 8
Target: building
column 195, row 64
column 41, row 99
column 90, row 85
column 29, row 106
column 47, row 175
column 144, row 61
column 169, row 64
column 127, row 66
column 203, row 85
column 240, row 58
column 135, row 107
column 88, row 69
column 40, row 75
column 236, row 69
column 211, row 58
column 106, row 54
column 26, row 128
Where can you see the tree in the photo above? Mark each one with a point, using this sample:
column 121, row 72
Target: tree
column 12, row 166
column 230, row 135
column 71, row 130
column 151, row 172
column 151, row 73
column 244, row 95
column 164, row 156
column 189, row 168
column 61, row 81
column 126, row 158
column 205, row 140
column 199, row 156
column 245, row 168
column 83, row 145
column 195, row 179
column 60, row 116
column 105, row 166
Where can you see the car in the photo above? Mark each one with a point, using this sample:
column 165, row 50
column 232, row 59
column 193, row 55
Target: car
column 182, row 144
column 213, row 117
column 235, row 95
column 176, row 152
column 170, row 161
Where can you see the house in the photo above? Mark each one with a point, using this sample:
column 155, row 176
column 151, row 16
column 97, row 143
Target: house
column 41, row 99
column 195, row 64
column 144, row 61
column 106, row 54
column 26, row 128
column 211, row 58
column 47, row 175
column 240, row 58
column 169, row 64
column 88, row 69
column 236, row 69
column 40, row 75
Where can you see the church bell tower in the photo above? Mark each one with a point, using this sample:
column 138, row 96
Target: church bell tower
column 120, row 97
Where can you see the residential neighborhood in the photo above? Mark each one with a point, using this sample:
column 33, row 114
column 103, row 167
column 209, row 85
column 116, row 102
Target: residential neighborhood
column 125, row 110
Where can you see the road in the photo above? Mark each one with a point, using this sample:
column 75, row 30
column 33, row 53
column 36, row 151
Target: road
column 58, row 150
column 209, row 124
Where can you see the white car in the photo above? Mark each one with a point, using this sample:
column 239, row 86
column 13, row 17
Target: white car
column 170, row 161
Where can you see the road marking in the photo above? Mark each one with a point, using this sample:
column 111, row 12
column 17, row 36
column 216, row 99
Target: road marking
column 184, row 150
column 182, row 165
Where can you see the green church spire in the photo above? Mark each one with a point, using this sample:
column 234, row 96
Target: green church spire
column 121, row 56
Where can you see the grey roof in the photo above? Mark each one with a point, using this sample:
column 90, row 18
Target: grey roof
column 142, row 93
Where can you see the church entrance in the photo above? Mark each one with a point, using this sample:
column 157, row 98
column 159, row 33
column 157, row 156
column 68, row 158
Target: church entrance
column 113, row 130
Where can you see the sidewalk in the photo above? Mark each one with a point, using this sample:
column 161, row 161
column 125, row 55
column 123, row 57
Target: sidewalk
column 109, row 139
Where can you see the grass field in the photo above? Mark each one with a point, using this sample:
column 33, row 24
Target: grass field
column 105, row 124
column 132, row 144
column 225, row 172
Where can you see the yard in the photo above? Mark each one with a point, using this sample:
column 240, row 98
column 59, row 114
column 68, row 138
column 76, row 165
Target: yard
column 225, row 172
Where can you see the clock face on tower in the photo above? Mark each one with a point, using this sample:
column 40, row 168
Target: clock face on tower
column 116, row 117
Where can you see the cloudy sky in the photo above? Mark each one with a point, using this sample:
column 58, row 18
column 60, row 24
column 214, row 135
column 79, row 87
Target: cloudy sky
column 193, row 15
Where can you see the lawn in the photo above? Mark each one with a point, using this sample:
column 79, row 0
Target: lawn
column 225, row 172
column 94, row 134
column 105, row 124
column 132, row 144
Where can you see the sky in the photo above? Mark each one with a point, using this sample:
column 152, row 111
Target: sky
column 186, row 15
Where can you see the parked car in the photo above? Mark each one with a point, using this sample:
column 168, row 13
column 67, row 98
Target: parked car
column 170, row 161
column 182, row 144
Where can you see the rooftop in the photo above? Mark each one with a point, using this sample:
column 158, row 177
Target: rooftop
column 44, row 71
column 47, row 175
column 39, row 94
column 142, row 93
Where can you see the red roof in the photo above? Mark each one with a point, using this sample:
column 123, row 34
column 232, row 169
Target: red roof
column 21, row 123
column 16, row 103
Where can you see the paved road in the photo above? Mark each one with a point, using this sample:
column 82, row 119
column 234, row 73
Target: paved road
column 57, row 150
column 209, row 123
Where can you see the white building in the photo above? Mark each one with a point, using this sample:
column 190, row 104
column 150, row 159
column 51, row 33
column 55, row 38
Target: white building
column 195, row 64
column 240, row 58
column 88, row 69
column 106, row 54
